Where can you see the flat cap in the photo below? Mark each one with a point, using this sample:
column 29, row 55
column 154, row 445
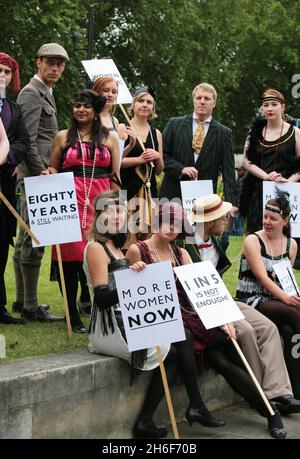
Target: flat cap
column 53, row 50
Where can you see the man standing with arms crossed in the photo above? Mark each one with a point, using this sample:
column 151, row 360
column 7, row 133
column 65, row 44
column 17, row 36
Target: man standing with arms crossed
column 39, row 111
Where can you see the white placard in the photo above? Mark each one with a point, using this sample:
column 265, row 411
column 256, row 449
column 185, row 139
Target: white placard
column 150, row 306
column 96, row 68
column 294, row 191
column 284, row 271
column 192, row 190
column 52, row 208
column 208, row 294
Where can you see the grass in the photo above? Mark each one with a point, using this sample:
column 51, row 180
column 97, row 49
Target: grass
column 41, row 339
column 34, row 338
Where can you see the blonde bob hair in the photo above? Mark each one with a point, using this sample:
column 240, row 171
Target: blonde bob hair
column 137, row 98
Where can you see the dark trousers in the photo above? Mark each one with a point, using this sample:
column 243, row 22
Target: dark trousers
column 4, row 247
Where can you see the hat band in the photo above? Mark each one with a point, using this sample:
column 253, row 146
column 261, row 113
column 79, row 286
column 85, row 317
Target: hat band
column 211, row 209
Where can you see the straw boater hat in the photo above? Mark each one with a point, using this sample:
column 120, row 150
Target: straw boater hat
column 209, row 208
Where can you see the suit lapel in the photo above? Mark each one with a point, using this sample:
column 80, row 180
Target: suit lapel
column 42, row 88
column 187, row 134
column 209, row 141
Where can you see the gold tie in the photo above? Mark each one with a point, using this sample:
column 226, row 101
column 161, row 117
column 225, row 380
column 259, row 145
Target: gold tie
column 198, row 137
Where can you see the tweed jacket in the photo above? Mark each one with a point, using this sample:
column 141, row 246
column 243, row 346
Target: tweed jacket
column 216, row 156
column 39, row 113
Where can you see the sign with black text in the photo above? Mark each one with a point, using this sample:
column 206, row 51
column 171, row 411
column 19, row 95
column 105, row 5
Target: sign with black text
column 192, row 190
column 96, row 68
column 52, row 208
column 284, row 271
column 150, row 306
column 294, row 191
column 208, row 294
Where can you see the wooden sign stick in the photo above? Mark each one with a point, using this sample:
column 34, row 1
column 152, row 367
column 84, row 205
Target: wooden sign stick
column 131, row 125
column 19, row 218
column 167, row 392
column 63, row 287
column 253, row 377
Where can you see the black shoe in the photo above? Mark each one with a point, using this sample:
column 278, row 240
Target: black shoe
column 17, row 307
column 8, row 319
column 40, row 315
column 204, row 417
column 287, row 404
column 276, row 428
column 148, row 430
column 77, row 325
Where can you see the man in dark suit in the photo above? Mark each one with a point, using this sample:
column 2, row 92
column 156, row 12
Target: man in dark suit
column 39, row 111
column 189, row 158
column 11, row 116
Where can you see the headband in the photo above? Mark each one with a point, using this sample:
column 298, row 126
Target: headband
column 89, row 97
column 277, row 210
column 266, row 98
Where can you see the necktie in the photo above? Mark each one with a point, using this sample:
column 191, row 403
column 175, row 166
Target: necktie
column 199, row 136
column 205, row 246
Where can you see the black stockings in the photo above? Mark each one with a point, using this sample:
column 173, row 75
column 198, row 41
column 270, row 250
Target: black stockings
column 287, row 319
column 181, row 356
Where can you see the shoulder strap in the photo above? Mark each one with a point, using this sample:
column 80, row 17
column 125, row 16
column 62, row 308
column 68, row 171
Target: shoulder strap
column 262, row 244
column 109, row 253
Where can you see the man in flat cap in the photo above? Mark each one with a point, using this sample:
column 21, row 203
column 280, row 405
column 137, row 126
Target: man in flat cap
column 39, row 110
column 12, row 119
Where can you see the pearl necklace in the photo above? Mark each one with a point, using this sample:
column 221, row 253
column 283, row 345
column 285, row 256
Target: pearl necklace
column 149, row 167
column 87, row 191
column 157, row 256
column 273, row 274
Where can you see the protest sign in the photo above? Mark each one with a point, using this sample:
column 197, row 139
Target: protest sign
column 150, row 306
column 52, row 208
column 294, row 191
column 96, row 68
column 208, row 294
column 284, row 271
column 192, row 190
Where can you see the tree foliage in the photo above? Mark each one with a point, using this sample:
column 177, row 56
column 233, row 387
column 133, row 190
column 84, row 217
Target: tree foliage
column 240, row 46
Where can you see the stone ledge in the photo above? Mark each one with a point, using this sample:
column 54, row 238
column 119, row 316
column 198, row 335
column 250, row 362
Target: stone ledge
column 77, row 394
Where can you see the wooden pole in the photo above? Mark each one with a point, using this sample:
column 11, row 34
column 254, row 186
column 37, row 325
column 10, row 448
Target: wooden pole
column 167, row 392
column 131, row 125
column 63, row 287
column 253, row 377
column 19, row 218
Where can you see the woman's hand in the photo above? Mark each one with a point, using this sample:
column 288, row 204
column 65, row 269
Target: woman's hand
column 52, row 170
column 132, row 137
column 150, row 155
column 293, row 300
column 274, row 176
column 138, row 266
column 229, row 330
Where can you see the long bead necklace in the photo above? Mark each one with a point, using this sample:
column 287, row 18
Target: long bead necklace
column 149, row 167
column 273, row 274
column 157, row 256
column 86, row 190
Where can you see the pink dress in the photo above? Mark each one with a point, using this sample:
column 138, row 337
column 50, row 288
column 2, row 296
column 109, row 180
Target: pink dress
column 72, row 161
